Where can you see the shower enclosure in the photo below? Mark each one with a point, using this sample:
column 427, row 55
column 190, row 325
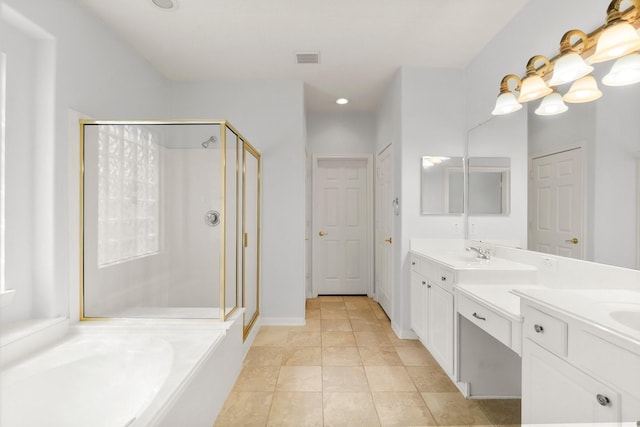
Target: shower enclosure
column 169, row 220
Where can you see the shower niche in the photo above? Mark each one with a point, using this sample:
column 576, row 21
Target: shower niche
column 170, row 221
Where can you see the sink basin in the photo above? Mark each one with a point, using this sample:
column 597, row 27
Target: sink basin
column 467, row 259
column 629, row 318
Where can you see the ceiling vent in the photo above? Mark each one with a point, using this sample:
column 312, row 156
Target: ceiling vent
column 307, row 57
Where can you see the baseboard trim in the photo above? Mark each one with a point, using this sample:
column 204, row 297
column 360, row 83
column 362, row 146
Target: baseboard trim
column 283, row 321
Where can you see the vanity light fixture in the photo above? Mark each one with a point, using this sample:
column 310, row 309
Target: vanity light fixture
column 618, row 37
column 582, row 90
column 570, row 66
column 507, row 102
column 428, row 161
column 625, row 71
column 551, row 105
column 533, row 86
column 342, row 101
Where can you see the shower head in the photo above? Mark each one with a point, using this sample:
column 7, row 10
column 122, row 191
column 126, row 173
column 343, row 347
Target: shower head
column 209, row 142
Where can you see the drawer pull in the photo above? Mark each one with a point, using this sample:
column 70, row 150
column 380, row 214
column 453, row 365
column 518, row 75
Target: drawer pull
column 413, row 263
column 443, row 278
column 424, row 283
column 428, row 286
column 603, row 400
column 479, row 317
column 538, row 328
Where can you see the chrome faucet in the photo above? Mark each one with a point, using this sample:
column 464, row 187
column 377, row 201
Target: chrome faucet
column 482, row 253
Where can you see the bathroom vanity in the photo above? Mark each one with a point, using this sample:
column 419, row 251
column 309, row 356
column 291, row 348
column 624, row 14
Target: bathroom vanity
column 581, row 356
column 530, row 325
column 464, row 314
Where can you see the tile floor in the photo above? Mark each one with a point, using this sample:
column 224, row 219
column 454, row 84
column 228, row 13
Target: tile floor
column 346, row 367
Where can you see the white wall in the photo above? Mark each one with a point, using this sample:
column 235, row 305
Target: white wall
column 84, row 67
column 615, row 212
column 420, row 114
column 503, row 136
column 341, row 133
column 20, row 48
column 270, row 114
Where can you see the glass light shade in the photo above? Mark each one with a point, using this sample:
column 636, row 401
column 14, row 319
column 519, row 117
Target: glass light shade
column 533, row 87
column 625, row 71
column 551, row 105
column 615, row 41
column 568, row 68
column 505, row 104
column 426, row 163
column 583, row 90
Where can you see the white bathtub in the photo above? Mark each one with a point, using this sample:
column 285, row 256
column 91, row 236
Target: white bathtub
column 124, row 374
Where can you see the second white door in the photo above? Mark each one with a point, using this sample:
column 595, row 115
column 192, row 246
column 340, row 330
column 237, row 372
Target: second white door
column 556, row 205
column 341, row 218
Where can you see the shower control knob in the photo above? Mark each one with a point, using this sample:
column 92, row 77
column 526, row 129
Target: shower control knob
column 212, row 218
column 603, row 400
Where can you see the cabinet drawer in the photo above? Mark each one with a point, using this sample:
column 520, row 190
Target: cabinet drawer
column 445, row 278
column 487, row 319
column 546, row 330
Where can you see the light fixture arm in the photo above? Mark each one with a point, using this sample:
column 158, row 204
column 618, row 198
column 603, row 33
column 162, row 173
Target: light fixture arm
column 614, row 14
column 565, row 43
column 541, row 71
column 504, row 84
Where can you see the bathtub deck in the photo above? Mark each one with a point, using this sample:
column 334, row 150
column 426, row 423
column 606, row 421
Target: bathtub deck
column 201, row 358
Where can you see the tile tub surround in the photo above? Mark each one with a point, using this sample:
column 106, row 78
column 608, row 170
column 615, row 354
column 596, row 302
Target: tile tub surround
column 357, row 373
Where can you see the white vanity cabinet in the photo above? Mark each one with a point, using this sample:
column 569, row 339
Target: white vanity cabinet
column 432, row 309
column 575, row 372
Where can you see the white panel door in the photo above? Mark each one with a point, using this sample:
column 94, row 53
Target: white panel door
column 557, row 200
column 341, row 212
column 384, row 229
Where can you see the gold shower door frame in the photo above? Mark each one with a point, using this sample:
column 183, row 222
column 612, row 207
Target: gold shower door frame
column 241, row 142
column 249, row 319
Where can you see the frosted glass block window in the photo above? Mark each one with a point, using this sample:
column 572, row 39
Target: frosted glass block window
column 128, row 190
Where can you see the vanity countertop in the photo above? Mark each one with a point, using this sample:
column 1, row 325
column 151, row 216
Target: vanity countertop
column 460, row 259
column 617, row 311
column 500, row 298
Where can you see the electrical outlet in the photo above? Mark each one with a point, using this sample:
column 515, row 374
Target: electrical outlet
column 549, row 264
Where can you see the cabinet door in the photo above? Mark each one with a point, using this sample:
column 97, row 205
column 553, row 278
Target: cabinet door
column 418, row 306
column 440, row 326
column 555, row 392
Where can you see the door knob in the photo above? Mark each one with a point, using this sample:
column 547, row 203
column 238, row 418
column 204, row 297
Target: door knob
column 388, row 240
column 322, row 233
column 574, row 241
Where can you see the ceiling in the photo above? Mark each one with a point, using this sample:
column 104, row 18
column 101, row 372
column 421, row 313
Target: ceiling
column 361, row 42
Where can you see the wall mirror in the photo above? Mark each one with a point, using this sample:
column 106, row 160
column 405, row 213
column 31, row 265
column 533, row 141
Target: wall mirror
column 489, row 189
column 604, row 138
column 442, row 185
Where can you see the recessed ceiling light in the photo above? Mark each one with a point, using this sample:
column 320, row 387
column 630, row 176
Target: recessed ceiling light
column 164, row 4
column 342, row 101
